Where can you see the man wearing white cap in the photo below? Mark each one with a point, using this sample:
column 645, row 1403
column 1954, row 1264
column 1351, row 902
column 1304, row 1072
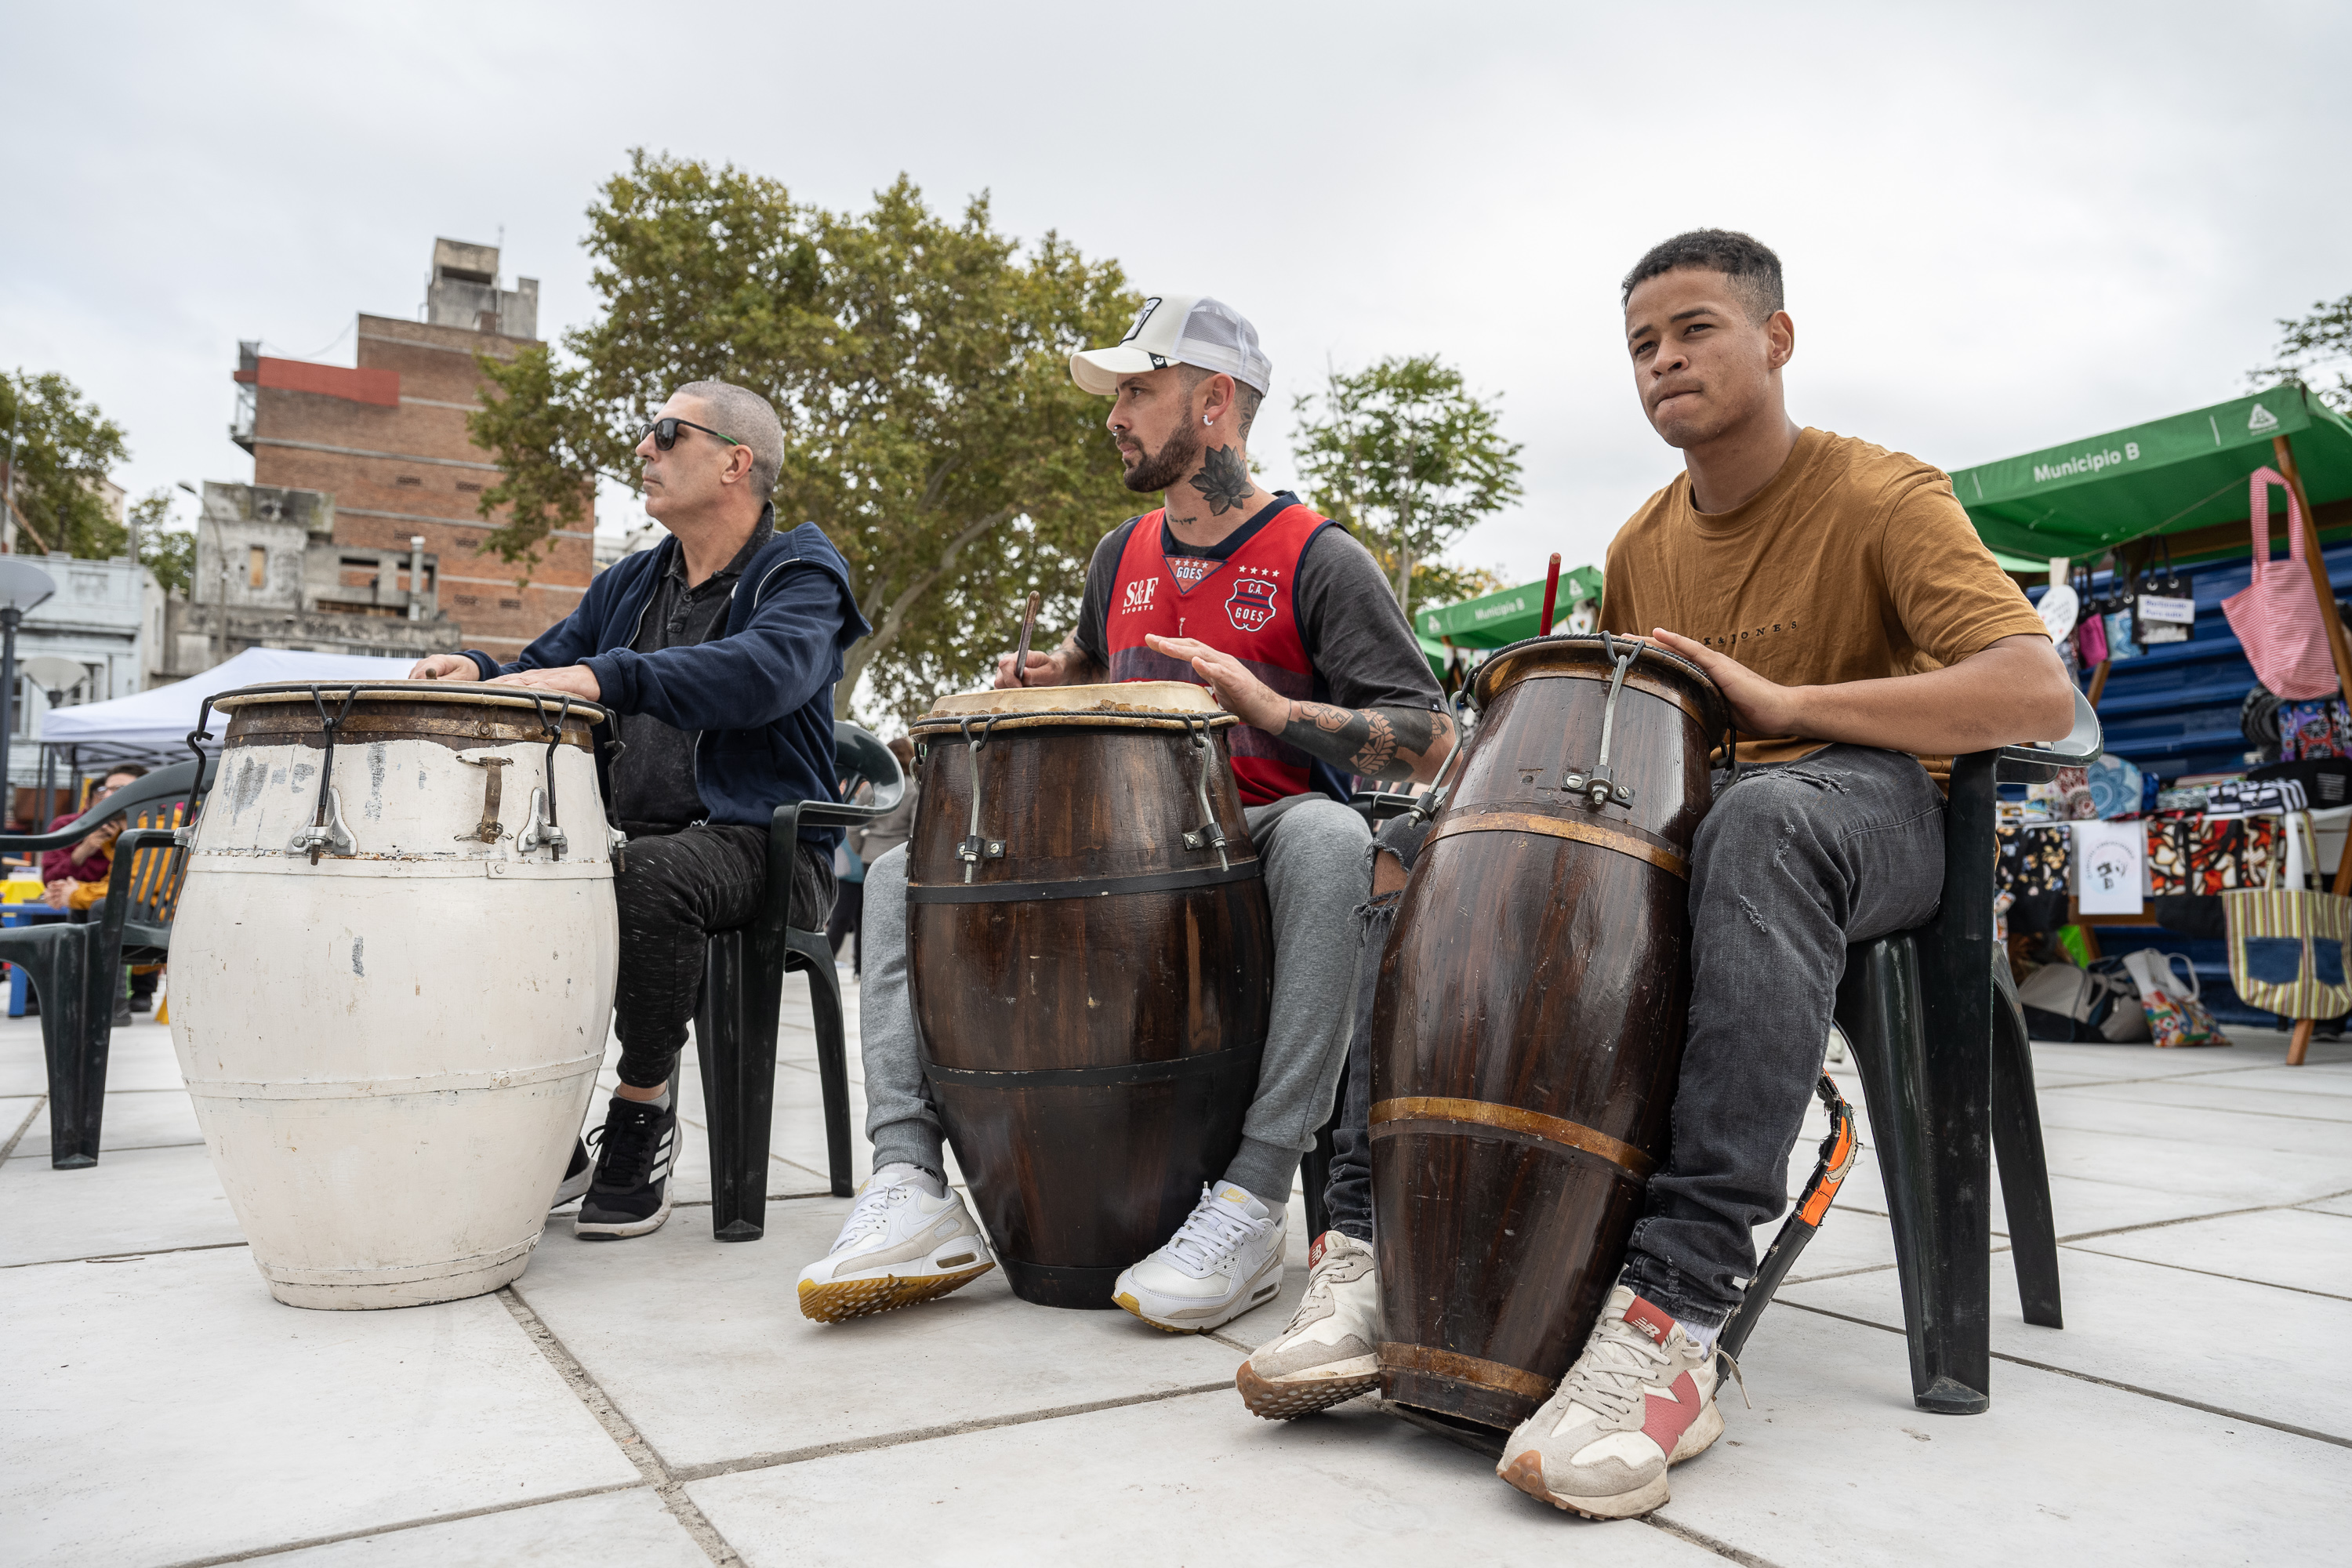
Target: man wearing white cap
column 1290, row 623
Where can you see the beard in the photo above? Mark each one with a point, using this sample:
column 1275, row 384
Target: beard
column 1178, row 457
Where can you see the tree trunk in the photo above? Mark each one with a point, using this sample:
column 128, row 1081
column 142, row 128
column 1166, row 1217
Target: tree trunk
column 893, row 615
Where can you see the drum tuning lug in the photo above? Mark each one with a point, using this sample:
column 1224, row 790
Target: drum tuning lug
column 620, row 847
column 975, row 850
column 329, row 835
column 541, row 834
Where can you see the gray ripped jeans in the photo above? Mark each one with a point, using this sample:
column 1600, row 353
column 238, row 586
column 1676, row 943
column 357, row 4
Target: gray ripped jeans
column 1793, row 862
column 1316, row 879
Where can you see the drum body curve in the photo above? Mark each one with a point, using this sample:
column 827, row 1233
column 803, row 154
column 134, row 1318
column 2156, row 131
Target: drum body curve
column 391, row 1051
column 1093, row 1002
column 1528, row 1023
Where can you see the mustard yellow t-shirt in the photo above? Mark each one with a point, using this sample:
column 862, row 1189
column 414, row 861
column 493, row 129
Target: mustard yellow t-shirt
column 1854, row 564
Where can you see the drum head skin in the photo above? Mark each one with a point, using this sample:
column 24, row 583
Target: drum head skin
column 1127, row 697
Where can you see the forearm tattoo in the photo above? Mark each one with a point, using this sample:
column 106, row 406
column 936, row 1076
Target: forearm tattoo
column 1223, row 479
column 1384, row 743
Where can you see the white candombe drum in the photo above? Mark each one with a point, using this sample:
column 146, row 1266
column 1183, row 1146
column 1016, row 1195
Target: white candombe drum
column 391, row 1024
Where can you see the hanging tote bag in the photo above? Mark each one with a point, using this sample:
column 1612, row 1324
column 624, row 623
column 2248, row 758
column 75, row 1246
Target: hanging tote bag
column 2276, row 616
column 2176, row 1014
column 2286, row 945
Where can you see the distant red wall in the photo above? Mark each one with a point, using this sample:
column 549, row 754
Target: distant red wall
column 381, row 387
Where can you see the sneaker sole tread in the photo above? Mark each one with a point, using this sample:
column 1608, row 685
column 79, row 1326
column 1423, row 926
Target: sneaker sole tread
column 597, row 1230
column 842, row 1299
column 1289, row 1398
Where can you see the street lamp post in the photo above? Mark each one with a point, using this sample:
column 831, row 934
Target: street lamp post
column 23, row 586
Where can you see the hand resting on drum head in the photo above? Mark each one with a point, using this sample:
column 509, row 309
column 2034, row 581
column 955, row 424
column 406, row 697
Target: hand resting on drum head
column 572, row 679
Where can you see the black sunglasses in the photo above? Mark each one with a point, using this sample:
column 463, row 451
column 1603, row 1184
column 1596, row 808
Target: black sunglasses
column 665, row 433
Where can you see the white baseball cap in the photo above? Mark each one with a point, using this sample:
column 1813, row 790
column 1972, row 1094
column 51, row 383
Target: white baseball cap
column 1177, row 329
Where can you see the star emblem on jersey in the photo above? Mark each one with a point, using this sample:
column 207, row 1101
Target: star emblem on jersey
column 1251, row 606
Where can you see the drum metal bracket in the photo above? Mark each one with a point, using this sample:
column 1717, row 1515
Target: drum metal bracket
column 1209, row 834
column 1596, row 786
column 974, row 848
column 330, row 835
column 542, row 833
column 489, row 830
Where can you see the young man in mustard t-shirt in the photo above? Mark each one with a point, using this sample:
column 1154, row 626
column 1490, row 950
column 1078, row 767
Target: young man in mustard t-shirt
column 1837, row 595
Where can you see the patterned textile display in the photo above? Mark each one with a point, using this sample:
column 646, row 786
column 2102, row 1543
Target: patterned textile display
column 2286, row 952
column 2068, row 796
column 2205, row 855
column 2320, row 729
column 2034, row 859
column 2237, row 798
column 2116, row 787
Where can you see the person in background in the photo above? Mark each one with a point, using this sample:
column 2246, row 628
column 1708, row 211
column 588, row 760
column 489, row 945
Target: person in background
column 85, row 865
column 866, row 845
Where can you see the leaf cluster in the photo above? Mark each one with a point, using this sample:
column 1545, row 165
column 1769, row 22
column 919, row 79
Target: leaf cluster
column 167, row 552
column 1406, row 456
column 2310, row 345
column 64, row 448
column 919, row 363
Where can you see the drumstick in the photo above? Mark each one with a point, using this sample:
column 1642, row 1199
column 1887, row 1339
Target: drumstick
column 1551, row 595
column 1021, row 654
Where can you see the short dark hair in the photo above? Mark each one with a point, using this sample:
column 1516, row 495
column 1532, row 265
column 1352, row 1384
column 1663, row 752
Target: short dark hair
column 1247, row 398
column 127, row 770
column 1748, row 262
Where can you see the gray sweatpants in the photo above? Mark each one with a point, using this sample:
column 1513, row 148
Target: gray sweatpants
column 1316, row 875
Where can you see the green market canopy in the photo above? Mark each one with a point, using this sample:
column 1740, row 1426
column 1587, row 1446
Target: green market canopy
column 2170, row 476
column 1500, row 619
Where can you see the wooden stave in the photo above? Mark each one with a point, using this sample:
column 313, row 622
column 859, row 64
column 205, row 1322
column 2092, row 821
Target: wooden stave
column 1181, row 978
column 1455, row 1292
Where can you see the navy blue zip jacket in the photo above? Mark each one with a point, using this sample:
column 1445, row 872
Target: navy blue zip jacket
column 760, row 694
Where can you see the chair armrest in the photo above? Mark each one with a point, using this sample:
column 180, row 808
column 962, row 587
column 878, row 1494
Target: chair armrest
column 72, row 832
column 117, row 879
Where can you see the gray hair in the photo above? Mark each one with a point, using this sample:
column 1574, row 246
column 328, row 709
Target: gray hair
column 740, row 411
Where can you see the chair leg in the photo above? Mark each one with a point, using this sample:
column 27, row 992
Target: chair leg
column 2024, row 1168
column 1919, row 1116
column 739, row 1085
column 75, row 1037
column 815, row 958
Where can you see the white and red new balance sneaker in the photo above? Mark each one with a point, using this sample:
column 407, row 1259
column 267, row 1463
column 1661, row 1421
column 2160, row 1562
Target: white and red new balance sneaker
column 1640, row 1398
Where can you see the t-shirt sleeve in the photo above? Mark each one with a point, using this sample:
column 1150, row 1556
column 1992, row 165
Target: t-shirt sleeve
column 1094, row 606
column 1353, row 631
column 1950, row 595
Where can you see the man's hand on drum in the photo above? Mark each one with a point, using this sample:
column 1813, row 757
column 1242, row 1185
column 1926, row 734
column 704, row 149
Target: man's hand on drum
column 1237, row 691
column 445, row 667
column 1044, row 669
column 572, row 679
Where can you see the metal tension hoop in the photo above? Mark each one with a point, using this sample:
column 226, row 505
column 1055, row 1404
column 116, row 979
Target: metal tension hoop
column 1208, row 835
column 974, row 848
column 1596, row 786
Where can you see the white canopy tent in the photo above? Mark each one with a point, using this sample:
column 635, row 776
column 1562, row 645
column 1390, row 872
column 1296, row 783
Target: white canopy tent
column 160, row 720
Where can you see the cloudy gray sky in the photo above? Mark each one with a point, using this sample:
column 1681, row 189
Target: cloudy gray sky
column 2004, row 225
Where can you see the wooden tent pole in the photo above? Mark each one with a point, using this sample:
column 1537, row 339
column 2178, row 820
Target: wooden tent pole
column 2282, row 453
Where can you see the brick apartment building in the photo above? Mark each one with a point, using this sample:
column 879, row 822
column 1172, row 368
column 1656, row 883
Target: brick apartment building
column 385, row 441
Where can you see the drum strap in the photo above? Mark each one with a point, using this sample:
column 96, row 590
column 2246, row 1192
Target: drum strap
column 1605, row 835
column 1081, row 887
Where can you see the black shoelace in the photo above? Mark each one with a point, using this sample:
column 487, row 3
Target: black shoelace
column 625, row 1145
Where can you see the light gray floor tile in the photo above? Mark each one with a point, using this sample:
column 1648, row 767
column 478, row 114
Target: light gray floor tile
column 703, row 1343
column 139, row 1056
column 16, row 1112
column 2221, row 1173
column 140, row 1200
column 2217, row 1093
column 1834, row 1465
column 1848, row 1239
column 1192, row 1480
column 2338, row 1203
column 2102, row 1111
column 626, row 1529
column 152, row 1119
column 167, row 1408
column 2136, row 1061
column 2313, row 1078
column 2278, row 1246
column 2219, row 1342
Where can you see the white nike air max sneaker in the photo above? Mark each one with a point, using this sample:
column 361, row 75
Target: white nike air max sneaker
column 1225, row 1258
column 1330, row 1350
column 902, row 1244
column 1640, row 1398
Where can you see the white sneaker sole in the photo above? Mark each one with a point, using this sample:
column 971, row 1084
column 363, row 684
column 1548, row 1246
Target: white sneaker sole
column 1526, row 1473
column 588, row 1231
column 837, row 1300
column 1305, row 1393
column 1200, row 1317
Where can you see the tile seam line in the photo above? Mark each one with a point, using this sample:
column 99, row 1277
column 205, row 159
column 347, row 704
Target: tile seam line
column 2292, row 1431
column 2200, row 1111
column 2211, row 1273
column 258, row 1552
column 134, row 1255
column 40, row 1102
column 634, row 1446
column 1705, row 1542
column 717, row 1468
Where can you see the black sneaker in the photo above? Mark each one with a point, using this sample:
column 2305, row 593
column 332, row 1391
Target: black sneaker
column 630, row 1193
column 576, row 1176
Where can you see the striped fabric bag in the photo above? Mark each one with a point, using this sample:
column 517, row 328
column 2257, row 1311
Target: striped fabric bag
column 2286, row 952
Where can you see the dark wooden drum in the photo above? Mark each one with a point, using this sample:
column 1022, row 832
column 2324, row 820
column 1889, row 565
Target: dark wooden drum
column 1091, row 958
column 1528, row 1023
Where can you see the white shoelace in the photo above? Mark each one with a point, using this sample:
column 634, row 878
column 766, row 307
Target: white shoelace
column 1608, row 1377
column 872, row 1215
column 1209, row 1236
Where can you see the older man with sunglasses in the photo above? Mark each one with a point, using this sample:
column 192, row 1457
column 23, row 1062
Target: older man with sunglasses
column 718, row 650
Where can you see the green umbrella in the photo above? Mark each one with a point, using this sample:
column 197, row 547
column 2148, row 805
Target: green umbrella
column 2085, row 497
column 1501, row 619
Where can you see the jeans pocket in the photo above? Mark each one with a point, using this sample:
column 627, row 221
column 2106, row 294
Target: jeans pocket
column 2278, row 960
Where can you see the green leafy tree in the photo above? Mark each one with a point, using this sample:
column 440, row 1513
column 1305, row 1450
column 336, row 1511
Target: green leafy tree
column 2308, row 347
column 1405, row 455
column 63, row 447
column 168, row 552
column 919, row 363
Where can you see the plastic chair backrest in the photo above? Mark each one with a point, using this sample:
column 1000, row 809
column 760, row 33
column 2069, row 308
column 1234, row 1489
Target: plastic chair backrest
column 2082, row 746
column 162, row 787
column 856, row 751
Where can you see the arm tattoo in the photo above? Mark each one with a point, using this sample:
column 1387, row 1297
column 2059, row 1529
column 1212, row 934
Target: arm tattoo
column 1384, row 743
column 1223, row 479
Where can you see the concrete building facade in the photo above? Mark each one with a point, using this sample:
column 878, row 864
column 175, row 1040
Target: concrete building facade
column 386, row 441
column 97, row 619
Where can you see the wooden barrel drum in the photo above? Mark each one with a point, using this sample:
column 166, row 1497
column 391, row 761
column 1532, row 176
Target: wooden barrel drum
column 1090, row 954
column 1530, row 1018
column 392, row 980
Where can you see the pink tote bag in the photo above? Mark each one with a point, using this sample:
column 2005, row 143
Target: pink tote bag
column 2276, row 616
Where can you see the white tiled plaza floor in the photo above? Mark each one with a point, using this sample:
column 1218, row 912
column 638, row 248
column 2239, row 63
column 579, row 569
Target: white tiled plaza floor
column 662, row 1401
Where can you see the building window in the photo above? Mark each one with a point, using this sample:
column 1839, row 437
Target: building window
column 509, row 604
column 468, row 489
column 409, row 480
column 257, row 567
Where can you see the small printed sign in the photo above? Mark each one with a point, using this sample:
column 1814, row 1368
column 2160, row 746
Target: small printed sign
column 2159, row 607
column 2110, row 879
